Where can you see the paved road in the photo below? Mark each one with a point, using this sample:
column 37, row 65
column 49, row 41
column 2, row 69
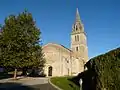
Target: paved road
column 26, row 84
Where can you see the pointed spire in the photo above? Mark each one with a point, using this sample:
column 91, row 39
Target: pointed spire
column 77, row 16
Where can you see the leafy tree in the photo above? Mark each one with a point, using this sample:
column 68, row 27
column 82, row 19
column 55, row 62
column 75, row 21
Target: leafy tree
column 19, row 43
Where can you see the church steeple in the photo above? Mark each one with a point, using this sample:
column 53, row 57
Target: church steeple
column 78, row 38
column 79, row 42
column 77, row 26
column 77, row 16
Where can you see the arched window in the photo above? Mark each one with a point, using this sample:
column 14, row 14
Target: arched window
column 76, row 48
column 50, row 71
column 76, row 28
column 77, row 37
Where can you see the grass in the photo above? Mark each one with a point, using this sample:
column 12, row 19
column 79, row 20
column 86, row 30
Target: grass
column 64, row 83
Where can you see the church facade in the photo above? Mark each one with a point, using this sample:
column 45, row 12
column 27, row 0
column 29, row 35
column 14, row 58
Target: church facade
column 62, row 61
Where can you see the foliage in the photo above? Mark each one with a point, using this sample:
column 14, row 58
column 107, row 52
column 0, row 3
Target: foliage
column 106, row 70
column 64, row 83
column 19, row 42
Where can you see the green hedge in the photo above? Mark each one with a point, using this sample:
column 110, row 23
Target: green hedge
column 106, row 70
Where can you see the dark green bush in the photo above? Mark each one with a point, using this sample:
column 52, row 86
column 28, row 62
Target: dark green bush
column 106, row 70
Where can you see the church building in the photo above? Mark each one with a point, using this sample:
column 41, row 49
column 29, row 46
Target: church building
column 62, row 61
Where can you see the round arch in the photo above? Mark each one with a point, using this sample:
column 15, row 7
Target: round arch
column 50, row 68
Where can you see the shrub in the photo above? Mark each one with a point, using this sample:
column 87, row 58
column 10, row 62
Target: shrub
column 105, row 70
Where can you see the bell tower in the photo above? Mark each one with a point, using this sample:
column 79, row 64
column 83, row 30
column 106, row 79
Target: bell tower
column 78, row 39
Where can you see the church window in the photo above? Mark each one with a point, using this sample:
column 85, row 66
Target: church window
column 76, row 28
column 76, row 48
column 77, row 37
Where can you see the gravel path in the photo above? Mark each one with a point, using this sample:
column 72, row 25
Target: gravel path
column 26, row 84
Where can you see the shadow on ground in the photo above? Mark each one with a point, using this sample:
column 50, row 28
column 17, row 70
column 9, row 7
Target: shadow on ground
column 15, row 86
column 19, row 86
column 88, row 82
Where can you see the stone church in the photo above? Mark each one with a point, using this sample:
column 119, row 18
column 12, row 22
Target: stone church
column 62, row 61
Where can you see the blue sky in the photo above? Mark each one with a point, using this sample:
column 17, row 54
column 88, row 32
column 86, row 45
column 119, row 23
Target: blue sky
column 101, row 19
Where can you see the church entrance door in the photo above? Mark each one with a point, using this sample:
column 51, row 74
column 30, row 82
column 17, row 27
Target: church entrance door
column 50, row 71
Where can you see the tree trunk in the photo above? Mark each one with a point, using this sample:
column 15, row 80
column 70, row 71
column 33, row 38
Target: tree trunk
column 15, row 73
